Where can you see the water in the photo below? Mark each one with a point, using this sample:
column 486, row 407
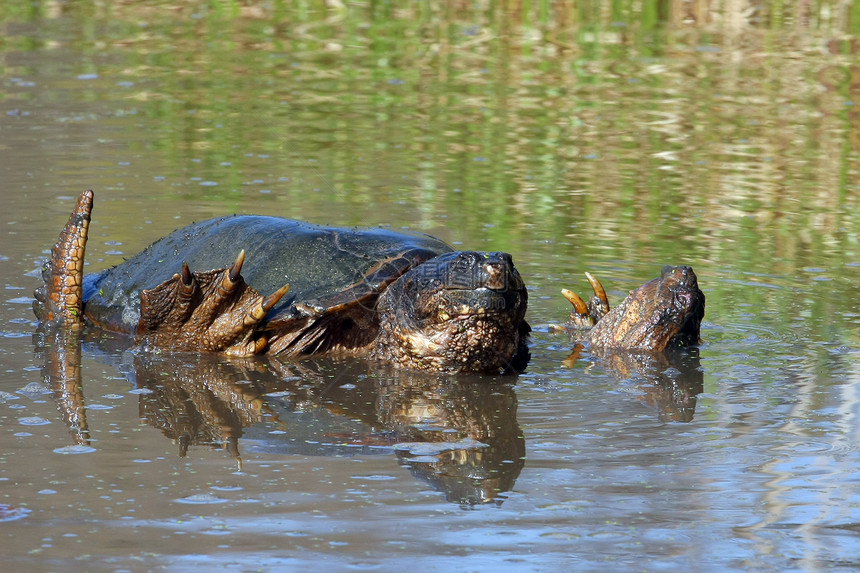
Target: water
column 602, row 137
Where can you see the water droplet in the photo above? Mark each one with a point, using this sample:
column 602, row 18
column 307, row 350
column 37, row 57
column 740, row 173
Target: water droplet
column 376, row 477
column 140, row 391
column 33, row 389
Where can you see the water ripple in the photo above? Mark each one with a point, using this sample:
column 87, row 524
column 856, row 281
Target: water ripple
column 201, row 499
column 72, row 450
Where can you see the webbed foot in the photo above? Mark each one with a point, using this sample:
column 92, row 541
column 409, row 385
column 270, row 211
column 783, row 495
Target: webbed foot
column 585, row 315
column 211, row 311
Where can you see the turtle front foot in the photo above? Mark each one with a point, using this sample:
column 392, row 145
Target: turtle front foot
column 213, row 311
column 585, row 315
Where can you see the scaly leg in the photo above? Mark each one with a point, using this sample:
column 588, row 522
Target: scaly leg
column 214, row 311
column 59, row 300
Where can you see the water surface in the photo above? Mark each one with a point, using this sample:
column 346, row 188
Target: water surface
column 591, row 136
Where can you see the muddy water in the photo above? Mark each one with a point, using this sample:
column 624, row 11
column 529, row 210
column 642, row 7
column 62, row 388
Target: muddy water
column 590, row 137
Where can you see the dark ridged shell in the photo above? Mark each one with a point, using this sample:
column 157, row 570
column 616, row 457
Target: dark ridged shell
column 321, row 264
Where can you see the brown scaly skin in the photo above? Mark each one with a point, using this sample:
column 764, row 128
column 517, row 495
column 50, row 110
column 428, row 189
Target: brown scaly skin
column 429, row 323
column 60, row 300
column 663, row 313
column 211, row 311
column 459, row 312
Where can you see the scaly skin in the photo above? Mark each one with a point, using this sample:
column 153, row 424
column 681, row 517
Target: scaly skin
column 60, row 300
column 457, row 312
column 466, row 316
column 211, row 311
column 663, row 313
column 461, row 312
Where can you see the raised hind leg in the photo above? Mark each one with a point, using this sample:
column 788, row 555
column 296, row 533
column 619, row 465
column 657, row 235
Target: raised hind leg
column 59, row 300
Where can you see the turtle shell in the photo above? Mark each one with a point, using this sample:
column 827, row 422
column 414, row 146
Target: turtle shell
column 327, row 268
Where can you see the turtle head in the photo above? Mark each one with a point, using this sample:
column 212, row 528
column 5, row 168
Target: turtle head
column 459, row 312
column 663, row 313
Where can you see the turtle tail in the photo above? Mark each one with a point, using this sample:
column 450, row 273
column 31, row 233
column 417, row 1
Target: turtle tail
column 60, row 300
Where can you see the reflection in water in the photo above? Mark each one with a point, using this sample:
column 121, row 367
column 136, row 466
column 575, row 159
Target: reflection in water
column 200, row 399
column 458, row 434
column 670, row 380
column 12, row 512
column 61, row 350
column 617, row 135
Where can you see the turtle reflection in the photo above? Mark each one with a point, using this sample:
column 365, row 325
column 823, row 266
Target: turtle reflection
column 198, row 400
column 670, row 380
column 458, row 434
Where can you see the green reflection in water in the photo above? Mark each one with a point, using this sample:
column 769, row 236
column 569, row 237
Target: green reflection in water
column 578, row 135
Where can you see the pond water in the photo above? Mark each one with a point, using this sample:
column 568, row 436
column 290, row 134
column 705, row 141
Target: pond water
column 610, row 137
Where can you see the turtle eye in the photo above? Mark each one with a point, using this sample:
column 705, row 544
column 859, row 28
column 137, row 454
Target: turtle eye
column 467, row 260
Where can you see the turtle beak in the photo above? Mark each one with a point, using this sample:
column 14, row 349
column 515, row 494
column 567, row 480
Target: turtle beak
column 495, row 275
column 500, row 274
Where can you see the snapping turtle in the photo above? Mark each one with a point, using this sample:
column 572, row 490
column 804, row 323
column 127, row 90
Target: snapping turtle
column 406, row 299
column 663, row 313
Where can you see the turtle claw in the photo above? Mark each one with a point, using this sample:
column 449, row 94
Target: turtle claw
column 585, row 315
column 599, row 304
column 270, row 301
column 236, row 268
column 186, row 276
column 258, row 313
column 579, row 317
column 212, row 311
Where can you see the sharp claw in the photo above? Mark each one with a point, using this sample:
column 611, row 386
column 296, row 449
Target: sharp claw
column 271, row 300
column 576, row 301
column 237, row 266
column 580, row 317
column 213, row 310
column 598, row 289
column 260, row 345
column 186, row 276
column 258, row 312
column 231, row 279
